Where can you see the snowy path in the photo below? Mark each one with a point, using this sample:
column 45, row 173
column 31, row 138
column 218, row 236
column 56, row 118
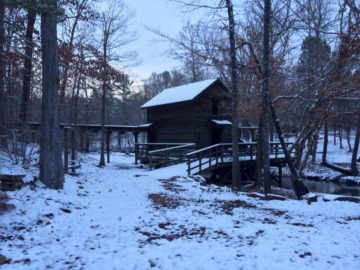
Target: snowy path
column 123, row 217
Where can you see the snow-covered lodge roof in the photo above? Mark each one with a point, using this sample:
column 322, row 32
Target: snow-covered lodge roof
column 181, row 93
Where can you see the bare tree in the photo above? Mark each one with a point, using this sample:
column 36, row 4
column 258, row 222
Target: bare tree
column 80, row 11
column 194, row 66
column 114, row 24
column 266, row 97
column 236, row 177
column 28, row 63
column 354, row 159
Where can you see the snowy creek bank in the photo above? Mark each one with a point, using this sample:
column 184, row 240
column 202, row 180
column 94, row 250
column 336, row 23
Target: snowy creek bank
column 336, row 155
column 316, row 172
column 321, row 186
column 127, row 217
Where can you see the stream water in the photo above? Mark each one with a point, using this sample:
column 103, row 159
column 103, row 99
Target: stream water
column 325, row 187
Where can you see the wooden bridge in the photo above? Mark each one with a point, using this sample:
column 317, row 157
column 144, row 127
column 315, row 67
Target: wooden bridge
column 219, row 155
column 205, row 160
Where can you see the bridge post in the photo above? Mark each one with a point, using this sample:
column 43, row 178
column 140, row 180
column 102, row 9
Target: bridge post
column 188, row 166
column 209, row 158
column 199, row 162
column 222, row 155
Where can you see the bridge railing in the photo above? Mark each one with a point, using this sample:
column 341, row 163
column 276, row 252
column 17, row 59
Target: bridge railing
column 206, row 157
column 216, row 155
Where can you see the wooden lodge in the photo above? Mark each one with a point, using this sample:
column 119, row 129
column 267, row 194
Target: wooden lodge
column 189, row 123
column 193, row 113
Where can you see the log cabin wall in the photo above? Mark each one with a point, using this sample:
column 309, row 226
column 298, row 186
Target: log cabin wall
column 173, row 123
column 206, row 132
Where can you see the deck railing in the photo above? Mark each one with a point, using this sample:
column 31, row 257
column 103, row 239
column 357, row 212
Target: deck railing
column 216, row 155
column 162, row 154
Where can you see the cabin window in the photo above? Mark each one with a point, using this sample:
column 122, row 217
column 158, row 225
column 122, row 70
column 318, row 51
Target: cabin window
column 215, row 107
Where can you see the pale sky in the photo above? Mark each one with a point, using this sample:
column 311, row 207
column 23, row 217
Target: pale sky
column 158, row 14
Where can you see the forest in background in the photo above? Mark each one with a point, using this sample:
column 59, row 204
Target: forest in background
column 312, row 69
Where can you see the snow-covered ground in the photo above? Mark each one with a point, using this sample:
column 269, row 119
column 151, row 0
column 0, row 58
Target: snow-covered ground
column 127, row 217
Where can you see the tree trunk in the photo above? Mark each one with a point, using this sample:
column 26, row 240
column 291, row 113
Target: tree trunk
column 87, row 121
column 75, row 121
column 306, row 156
column 51, row 167
column 348, row 132
column 298, row 186
column 2, row 70
column 259, row 155
column 272, row 138
column 29, row 47
column 300, row 145
column 103, row 104
column 354, row 169
column 103, row 97
column 340, row 137
column 266, row 98
column 325, row 146
column 236, row 176
column 314, row 147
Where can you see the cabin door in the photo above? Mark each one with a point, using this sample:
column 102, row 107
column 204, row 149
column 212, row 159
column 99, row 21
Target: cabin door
column 216, row 135
column 152, row 136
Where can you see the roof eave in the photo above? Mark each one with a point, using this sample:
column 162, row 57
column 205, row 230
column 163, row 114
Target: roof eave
column 166, row 104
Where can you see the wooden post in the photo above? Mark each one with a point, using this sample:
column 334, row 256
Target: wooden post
column 108, row 134
column 82, row 148
column 66, row 152
column 33, row 136
column 87, row 141
column 73, row 149
column 136, row 135
column 136, row 153
column 280, row 175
